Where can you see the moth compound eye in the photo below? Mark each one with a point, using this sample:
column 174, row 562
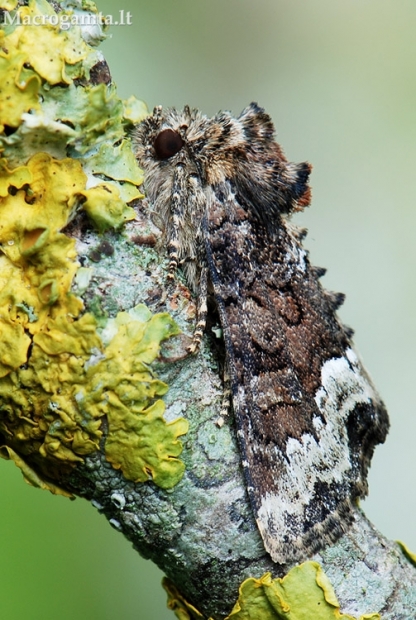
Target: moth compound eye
column 167, row 144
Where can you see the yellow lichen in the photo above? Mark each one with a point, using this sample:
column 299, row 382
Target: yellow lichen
column 58, row 378
column 39, row 409
column 40, row 51
column 8, row 5
column 38, row 261
column 30, row 221
column 35, row 60
column 54, row 404
column 12, row 178
column 53, row 392
column 17, row 94
column 105, row 206
column 14, row 345
column 176, row 602
column 122, row 386
column 30, row 475
column 304, row 593
column 406, row 551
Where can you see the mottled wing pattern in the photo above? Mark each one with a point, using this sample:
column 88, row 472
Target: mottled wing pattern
column 306, row 412
column 307, row 415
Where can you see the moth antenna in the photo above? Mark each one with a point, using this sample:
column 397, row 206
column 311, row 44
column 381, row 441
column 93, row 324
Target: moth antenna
column 335, row 299
column 318, row 272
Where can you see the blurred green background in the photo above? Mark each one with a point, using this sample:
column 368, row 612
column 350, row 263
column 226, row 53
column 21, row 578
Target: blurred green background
column 338, row 77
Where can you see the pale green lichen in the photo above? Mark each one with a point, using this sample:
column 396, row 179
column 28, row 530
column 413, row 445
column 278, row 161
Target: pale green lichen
column 134, row 110
column 58, row 376
column 305, row 593
column 115, row 163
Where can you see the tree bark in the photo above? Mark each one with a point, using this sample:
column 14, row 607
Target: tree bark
column 201, row 531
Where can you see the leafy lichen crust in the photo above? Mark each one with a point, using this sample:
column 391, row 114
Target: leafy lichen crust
column 61, row 372
column 304, row 593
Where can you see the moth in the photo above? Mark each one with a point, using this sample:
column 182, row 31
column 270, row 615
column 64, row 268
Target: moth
column 307, row 414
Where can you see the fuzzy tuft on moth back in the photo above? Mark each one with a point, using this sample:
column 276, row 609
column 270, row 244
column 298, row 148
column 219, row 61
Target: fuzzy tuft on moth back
column 271, row 185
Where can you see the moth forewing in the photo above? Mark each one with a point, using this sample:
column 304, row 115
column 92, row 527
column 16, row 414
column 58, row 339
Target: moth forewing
column 307, row 415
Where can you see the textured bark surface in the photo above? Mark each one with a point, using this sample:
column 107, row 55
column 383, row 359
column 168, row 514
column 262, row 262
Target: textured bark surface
column 202, row 533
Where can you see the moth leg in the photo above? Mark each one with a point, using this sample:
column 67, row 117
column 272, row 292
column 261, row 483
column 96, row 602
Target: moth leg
column 202, row 310
column 173, row 247
column 178, row 208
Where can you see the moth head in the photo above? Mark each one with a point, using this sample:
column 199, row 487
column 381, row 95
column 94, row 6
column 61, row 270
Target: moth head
column 241, row 150
column 170, row 132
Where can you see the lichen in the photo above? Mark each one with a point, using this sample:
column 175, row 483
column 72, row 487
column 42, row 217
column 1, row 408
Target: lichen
column 176, row 602
column 37, row 261
column 19, row 88
column 30, row 475
column 407, row 553
column 54, row 404
column 304, row 593
column 122, row 386
column 41, row 50
column 46, row 343
column 105, row 207
column 64, row 149
column 45, row 110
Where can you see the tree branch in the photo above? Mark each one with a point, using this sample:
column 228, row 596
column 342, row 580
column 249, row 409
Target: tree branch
column 69, row 389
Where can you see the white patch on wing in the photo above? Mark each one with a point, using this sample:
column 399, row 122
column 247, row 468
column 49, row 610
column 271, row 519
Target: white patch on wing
column 325, row 458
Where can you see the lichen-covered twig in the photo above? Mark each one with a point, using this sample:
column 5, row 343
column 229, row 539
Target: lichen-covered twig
column 98, row 396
